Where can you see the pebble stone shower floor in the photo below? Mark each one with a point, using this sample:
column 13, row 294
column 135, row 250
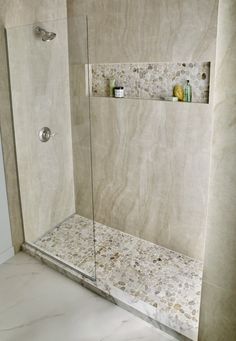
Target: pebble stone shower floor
column 162, row 284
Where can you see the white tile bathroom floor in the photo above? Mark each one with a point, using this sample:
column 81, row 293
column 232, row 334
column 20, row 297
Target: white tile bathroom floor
column 160, row 283
column 39, row 304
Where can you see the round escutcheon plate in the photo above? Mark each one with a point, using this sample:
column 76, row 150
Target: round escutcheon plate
column 45, row 134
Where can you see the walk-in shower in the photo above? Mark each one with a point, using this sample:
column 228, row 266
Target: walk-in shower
column 111, row 200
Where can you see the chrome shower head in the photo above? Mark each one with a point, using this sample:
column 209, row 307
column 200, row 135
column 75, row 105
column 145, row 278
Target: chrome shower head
column 46, row 36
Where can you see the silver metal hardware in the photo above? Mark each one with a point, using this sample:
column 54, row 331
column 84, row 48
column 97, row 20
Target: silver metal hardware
column 45, row 134
column 45, row 35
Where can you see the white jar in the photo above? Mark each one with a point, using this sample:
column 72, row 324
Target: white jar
column 119, row 91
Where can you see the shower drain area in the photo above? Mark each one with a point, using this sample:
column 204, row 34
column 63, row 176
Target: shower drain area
column 159, row 283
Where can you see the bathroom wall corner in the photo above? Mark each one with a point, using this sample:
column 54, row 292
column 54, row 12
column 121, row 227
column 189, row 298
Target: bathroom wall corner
column 218, row 302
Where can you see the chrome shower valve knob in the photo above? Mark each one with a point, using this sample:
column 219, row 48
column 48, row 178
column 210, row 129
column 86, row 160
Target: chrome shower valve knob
column 45, row 134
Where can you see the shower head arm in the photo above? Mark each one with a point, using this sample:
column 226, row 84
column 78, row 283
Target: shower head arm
column 45, row 35
column 39, row 30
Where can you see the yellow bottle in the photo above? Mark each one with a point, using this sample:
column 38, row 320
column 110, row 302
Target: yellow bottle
column 178, row 92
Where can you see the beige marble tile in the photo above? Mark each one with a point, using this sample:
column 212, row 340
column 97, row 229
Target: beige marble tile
column 83, row 182
column 150, row 161
column 220, row 265
column 218, row 313
column 13, row 13
column 78, row 39
column 40, row 97
column 150, row 170
column 80, row 118
column 8, row 145
column 18, row 12
column 81, row 139
column 80, row 115
column 149, row 30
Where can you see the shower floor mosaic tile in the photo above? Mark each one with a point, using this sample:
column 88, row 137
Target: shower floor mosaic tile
column 160, row 283
column 73, row 242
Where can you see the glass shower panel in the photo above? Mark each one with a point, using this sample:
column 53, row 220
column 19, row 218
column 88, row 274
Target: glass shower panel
column 46, row 137
column 142, row 202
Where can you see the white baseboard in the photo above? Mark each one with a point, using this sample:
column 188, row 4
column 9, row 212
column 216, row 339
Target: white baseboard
column 5, row 255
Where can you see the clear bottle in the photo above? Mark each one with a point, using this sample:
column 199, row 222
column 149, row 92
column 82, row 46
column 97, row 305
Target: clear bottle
column 187, row 92
column 112, row 84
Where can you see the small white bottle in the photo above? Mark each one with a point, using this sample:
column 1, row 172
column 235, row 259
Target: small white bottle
column 119, row 91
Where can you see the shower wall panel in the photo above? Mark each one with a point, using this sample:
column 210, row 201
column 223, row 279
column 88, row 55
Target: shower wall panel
column 151, row 170
column 131, row 31
column 151, row 159
column 39, row 75
column 15, row 13
column 218, row 302
column 80, row 115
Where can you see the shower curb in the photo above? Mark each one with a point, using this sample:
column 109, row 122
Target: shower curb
column 91, row 285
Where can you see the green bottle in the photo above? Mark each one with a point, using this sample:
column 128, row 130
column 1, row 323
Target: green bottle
column 112, row 83
column 187, row 92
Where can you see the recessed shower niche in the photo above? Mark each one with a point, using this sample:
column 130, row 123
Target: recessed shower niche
column 152, row 80
column 110, row 198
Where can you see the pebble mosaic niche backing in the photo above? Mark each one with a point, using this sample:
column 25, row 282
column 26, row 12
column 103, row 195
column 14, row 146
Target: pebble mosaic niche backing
column 152, row 80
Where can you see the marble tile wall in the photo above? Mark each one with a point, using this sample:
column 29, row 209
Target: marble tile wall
column 137, row 143
column 6, row 249
column 131, row 31
column 80, row 115
column 218, row 307
column 13, row 13
column 150, row 171
column 39, row 74
column 152, row 80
